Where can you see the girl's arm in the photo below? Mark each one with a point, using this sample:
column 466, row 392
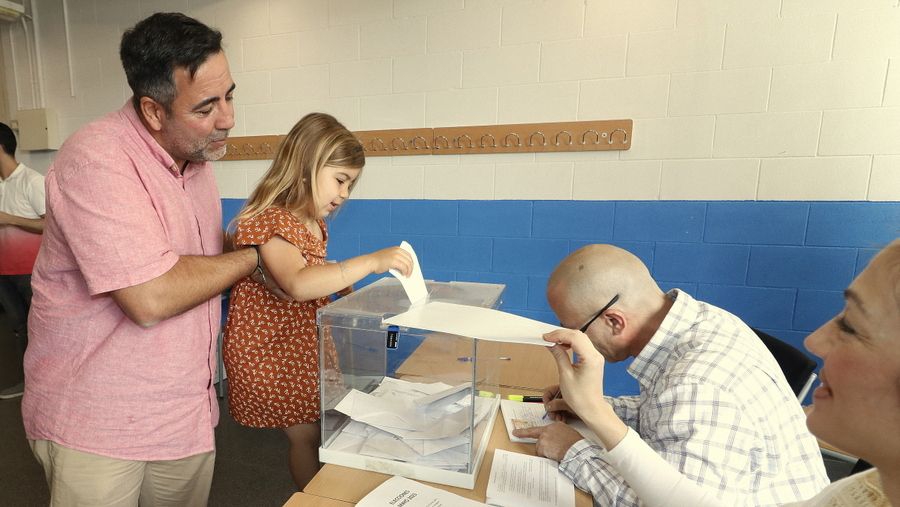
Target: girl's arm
column 288, row 267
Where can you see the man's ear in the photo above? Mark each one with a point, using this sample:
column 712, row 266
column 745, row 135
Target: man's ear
column 615, row 319
column 153, row 113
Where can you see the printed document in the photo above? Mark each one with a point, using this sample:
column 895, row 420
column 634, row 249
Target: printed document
column 520, row 480
column 402, row 492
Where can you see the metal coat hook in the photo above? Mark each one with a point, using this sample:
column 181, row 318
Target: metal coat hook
column 459, row 141
column 506, row 140
column 415, row 146
column 537, row 133
column 493, row 141
column 588, row 131
column 566, row 132
column 624, row 136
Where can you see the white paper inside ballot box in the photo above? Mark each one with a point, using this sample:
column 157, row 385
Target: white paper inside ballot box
column 404, row 418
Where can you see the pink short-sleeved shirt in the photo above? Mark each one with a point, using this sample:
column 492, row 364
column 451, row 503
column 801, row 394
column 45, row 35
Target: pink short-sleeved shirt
column 120, row 214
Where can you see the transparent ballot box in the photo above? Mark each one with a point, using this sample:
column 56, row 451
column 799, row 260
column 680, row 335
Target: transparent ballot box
column 406, row 401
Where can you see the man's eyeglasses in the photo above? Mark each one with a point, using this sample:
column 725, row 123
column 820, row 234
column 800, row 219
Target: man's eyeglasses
column 605, row 307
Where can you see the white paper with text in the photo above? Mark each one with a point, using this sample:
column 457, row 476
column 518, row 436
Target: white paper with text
column 402, row 492
column 520, row 480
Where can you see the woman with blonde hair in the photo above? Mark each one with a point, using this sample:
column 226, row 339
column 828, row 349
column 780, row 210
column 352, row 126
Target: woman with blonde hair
column 271, row 345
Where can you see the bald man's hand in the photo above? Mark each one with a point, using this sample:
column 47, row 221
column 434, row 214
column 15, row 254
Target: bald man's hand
column 556, row 407
column 553, row 441
column 581, row 383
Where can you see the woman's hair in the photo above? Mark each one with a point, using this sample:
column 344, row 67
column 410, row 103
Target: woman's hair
column 317, row 140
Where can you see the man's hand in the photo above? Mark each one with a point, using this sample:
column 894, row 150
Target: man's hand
column 581, row 384
column 556, row 406
column 6, row 218
column 265, row 278
column 553, row 441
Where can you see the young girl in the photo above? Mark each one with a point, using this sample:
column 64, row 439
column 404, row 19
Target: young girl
column 271, row 344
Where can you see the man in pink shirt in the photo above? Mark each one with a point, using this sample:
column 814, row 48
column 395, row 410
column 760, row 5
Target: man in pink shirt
column 119, row 404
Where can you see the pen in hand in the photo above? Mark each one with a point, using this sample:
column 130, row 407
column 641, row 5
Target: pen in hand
column 555, row 397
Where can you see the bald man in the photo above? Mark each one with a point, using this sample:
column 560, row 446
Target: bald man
column 713, row 401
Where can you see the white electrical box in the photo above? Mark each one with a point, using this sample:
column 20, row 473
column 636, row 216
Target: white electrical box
column 38, row 129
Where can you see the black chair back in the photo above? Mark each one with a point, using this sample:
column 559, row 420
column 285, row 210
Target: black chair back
column 795, row 364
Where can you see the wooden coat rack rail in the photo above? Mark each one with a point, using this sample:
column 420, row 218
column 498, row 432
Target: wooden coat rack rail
column 600, row 135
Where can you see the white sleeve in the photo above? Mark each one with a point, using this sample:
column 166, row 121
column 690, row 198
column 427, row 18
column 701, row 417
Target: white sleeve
column 654, row 479
column 36, row 194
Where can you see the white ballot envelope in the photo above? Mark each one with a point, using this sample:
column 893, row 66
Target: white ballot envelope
column 414, row 284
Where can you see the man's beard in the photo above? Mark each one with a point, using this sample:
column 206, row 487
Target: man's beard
column 206, row 153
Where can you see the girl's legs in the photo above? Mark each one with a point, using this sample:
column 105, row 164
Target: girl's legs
column 304, row 452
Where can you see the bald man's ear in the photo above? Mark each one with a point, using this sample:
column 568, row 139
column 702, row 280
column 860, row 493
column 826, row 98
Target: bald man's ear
column 153, row 113
column 616, row 320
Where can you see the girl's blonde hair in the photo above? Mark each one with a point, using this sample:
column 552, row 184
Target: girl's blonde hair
column 317, row 140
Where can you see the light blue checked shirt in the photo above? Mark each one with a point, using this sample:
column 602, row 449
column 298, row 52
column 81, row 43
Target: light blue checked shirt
column 714, row 403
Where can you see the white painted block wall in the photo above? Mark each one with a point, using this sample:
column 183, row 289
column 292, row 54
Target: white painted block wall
column 732, row 100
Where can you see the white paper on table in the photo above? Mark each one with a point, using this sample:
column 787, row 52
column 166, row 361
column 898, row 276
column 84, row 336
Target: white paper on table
column 414, row 284
column 402, row 491
column 520, row 480
column 523, row 414
column 474, row 322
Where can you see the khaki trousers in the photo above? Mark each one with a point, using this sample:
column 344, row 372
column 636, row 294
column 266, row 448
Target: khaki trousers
column 79, row 478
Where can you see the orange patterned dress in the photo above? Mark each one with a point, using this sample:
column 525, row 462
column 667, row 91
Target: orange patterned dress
column 271, row 349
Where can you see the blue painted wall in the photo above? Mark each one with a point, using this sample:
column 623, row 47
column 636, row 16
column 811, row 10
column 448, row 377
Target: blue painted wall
column 781, row 266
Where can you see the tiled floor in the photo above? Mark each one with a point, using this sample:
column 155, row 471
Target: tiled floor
column 251, row 465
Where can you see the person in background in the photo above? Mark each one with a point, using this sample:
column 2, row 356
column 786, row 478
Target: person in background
column 21, row 225
column 856, row 407
column 271, row 346
column 119, row 406
column 713, row 401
